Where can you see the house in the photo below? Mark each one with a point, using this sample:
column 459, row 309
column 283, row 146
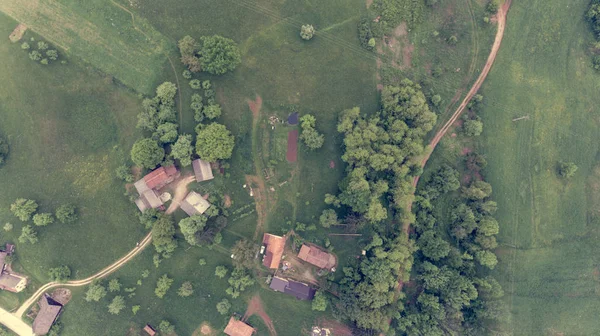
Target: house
column 147, row 187
column 300, row 290
column 202, row 170
column 194, row 204
column 238, row 328
column 274, row 246
column 316, row 256
column 49, row 311
column 149, row 330
column 12, row 282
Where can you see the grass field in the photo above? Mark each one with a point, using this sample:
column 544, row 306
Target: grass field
column 549, row 252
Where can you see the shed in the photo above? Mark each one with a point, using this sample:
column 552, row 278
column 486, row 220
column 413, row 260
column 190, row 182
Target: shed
column 149, row 330
column 274, row 250
column 238, row 328
column 49, row 311
column 194, row 204
column 316, row 256
column 202, row 170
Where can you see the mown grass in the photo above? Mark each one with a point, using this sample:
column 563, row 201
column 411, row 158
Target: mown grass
column 99, row 33
column 549, row 227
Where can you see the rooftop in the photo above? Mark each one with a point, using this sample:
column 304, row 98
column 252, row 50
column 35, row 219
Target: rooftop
column 274, row 251
column 238, row 328
column 202, row 170
column 316, row 256
column 300, row 290
column 49, row 310
column 194, row 204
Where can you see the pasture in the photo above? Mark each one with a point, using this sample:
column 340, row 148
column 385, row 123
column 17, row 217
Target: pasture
column 549, row 226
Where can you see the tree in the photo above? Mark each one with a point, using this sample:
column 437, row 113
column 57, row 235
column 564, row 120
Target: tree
column 243, row 254
column 453, row 40
column 486, row 258
column 182, row 150
column 114, row 285
column 166, row 133
column 135, row 309
column 221, row 271
column 197, row 106
column 52, row 54
column 320, row 301
column 311, row 138
column 147, row 153
column 116, row 305
column 43, row 219
column 493, row 6
column 432, row 246
column 42, row 45
column 567, row 169
column 472, row 127
column 66, row 213
column 218, row 54
column 186, row 289
column 478, row 190
column 23, row 208
column 163, row 236
column 328, row 218
column 162, row 286
column 166, row 327
column 307, row 32
column 212, row 111
column 488, row 226
column 28, row 234
column 214, row 142
column 123, row 172
column 149, row 217
column 239, row 281
column 190, row 226
column 95, row 292
column 195, row 84
column 25, row 46
column 166, row 92
column 436, row 100
column 223, row 307
column 35, row 55
column 8, row 227
column 202, row 262
column 59, row 274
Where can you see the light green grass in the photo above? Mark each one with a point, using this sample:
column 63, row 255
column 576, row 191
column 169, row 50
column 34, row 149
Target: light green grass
column 549, row 231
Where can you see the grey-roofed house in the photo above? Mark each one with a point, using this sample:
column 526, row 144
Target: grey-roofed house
column 194, row 204
column 12, row 282
column 148, row 185
column 202, row 170
column 300, row 290
column 49, row 311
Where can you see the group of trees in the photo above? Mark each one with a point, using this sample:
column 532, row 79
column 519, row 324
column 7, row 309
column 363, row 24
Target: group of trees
column 59, row 274
column 210, row 110
column 458, row 296
column 309, row 135
column 42, row 53
column 213, row 54
column 593, row 17
column 4, row 149
column 25, row 209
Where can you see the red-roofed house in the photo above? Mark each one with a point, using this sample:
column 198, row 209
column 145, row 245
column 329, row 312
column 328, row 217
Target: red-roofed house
column 316, row 256
column 274, row 246
column 147, row 187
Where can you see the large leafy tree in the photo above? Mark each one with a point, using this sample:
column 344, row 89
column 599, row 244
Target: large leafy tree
column 190, row 226
column 214, row 142
column 116, row 305
column 163, row 236
column 162, row 285
column 182, row 150
column 147, row 153
column 218, row 54
column 243, row 254
column 23, row 208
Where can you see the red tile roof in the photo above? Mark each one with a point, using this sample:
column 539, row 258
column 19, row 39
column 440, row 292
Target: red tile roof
column 274, row 252
column 159, row 177
column 316, row 256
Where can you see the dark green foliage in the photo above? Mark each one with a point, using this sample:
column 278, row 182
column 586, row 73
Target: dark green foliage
column 472, row 127
column 123, row 173
column 213, row 54
column 365, row 35
column 393, row 12
column 95, row 292
column 149, row 217
column 163, row 236
column 240, row 280
column 4, row 149
column 493, row 6
column 328, row 218
column 162, row 285
column 166, row 133
column 23, row 208
column 566, row 169
column 116, row 305
column 59, row 274
column 66, row 213
column 195, row 84
column 183, row 149
column 432, row 246
column 214, row 142
column 190, row 228
column 310, row 136
column 243, row 254
column 166, row 328
column 146, row 153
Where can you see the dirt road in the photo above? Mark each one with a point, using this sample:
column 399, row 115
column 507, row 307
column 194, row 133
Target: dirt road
column 501, row 16
column 77, row 283
column 15, row 323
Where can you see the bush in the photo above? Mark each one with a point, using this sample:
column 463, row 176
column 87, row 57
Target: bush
column 223, row 307
column 23, row 208
column 124, row 173
column 42, row 45
column 365, row 35
column 195, row 84
column 307, row 32
column 35, row 55
column 472, row 127
column 567, row 169
column 25, row 46
column 43, row 219
column 187, row 74
column 66, row 213
column 59, row 274
column 162, row 286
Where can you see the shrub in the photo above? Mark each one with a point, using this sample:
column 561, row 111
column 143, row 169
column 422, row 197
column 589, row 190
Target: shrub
column 307, row 32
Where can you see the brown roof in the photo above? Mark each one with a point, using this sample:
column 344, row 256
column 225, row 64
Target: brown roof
column 194, row 204
column 274, row 252
column 49, row 310
column 316, row 256
column 158, row 178
column 202, row 170
column 12, row 282
column 149, row 330
column 238, row 328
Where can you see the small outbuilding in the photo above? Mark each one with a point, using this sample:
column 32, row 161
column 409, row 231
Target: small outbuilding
column 149, row 330
column 238, row 328
column 274, row 246
column 202, row 170
column 300, row 290
column 47, row 315
column 194, row 204
column 314, row 255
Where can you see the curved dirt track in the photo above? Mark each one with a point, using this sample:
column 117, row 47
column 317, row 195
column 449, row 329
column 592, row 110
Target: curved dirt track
column 502, row 12
column 77, row 283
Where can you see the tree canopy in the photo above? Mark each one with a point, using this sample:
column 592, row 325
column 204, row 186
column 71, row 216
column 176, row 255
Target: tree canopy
column 59, row 274
column 66, row 213
column 163, row 236
column 162, row 285
column 23, row 208
column 147, row 153
column 213, row 54
column 214, row 142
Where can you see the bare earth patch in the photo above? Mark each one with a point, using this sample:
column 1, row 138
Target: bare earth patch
column 255, row 106
column 260, row 198
column 336, row 328
column 227, row 201
column 179, row 187
column 204, row 329
column 61, row 295
column 18, row 33
column 255, row 307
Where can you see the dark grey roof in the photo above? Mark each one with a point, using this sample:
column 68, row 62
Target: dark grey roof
column 278, row 284
column 293, row 118
column 49, row 310
column 300, row 290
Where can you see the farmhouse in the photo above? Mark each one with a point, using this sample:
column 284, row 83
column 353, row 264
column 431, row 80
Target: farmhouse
column 9, row 280
column 49, row 311
column 202, row 170
column 149, row 330
column 194, row 204
column 238, row 328
column 300, row 290
column 274, row 250
column 314, row 255
column 147, row 187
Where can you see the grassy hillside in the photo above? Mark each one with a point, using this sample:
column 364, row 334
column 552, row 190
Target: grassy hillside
column 549, row 226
